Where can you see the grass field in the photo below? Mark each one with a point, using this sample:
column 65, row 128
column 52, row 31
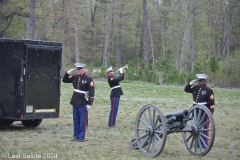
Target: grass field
column 52, row 137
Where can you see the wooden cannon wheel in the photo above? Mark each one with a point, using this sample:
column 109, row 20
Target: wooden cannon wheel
column 150, row 130
column 200, row 140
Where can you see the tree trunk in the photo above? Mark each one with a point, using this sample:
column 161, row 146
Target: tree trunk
column 93, row 14
column 3, row 20
column 193, row 60
column 178, row 43
column 27, row 27
column 111, row 29
column 162, row 30
column 119, row 53
column 178, row 54
column 225, row 30
column 108, row 35
column 229, row 28
column 145, row 33
column 105, row 51
column 186, row 36
column 212, row 25
column 63, row 20
column 32, row 19
column 153, row 58
column 76, row 40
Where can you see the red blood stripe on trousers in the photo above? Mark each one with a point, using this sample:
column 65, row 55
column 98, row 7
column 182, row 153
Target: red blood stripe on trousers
column 113, row 110
column 85, row 124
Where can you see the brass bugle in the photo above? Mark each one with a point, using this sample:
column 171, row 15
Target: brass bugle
column 117, row 72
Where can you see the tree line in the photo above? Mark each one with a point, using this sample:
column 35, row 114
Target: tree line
column 162, row 41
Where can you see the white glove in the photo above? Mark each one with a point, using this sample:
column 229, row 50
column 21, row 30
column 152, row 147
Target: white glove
column 121, row 70
column 88, row 107
column 71, row 70
column 193, row 82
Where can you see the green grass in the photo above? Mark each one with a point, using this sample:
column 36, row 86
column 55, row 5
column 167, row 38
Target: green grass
column 53, row 135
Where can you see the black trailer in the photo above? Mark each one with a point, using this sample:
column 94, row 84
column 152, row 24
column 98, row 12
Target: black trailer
column 30, row 81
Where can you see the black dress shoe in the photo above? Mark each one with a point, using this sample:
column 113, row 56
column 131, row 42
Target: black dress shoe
column 74, row 139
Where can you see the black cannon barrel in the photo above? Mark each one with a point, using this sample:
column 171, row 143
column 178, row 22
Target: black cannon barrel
column 179, row 114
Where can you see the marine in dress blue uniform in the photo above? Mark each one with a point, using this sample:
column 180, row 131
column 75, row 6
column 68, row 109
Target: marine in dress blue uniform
column 202, row 95
column 116, row 92
column 82, row 99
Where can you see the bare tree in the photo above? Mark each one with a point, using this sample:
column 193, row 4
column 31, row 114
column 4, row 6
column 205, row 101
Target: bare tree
column 119, row 39
column 153, row 58
column 63, row 19
column 109, row 35
column 3, row 19
column 76, row 39
column 111, row 29
column 162, row 29
column 32, row 19
column 187, row 8
column 93, row 14
column 122, row 13
column 105, row 50
column 229, row 27
column 145, row 33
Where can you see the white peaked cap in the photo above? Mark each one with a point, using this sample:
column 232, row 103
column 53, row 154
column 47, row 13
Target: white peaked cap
column 202, row 76
column 109, row 70
column 79, row 65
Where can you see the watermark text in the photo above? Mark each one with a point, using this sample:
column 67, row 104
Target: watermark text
column 29, row 155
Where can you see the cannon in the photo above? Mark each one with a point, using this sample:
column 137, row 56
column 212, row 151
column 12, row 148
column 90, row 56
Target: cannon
column 152, row 127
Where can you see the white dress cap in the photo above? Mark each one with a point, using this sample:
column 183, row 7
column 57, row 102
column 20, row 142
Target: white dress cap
column 79, row 65
column 202, row 76
column 109, row 70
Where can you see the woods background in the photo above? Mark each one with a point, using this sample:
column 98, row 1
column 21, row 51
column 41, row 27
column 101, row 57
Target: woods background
column 162, row 41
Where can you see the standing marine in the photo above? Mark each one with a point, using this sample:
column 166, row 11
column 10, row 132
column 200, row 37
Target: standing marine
column 81, row 101
column 116, row 92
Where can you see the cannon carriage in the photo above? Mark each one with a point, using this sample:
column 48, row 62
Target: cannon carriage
column 152, row 127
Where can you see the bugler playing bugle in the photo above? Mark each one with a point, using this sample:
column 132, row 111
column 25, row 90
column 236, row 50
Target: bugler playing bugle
column 116, row 92
column 117, row 72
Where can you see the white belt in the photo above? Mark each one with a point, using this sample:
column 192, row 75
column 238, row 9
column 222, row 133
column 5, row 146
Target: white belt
column 115, row 87
column 84, row 92
column 200, row 103
column 79, row 91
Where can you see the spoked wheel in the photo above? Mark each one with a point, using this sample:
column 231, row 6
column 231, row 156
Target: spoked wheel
column 200, row 141
column 150, row 130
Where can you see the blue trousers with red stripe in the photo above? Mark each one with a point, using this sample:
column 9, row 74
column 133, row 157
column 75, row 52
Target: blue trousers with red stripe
column 113, row 111
column 80, row 122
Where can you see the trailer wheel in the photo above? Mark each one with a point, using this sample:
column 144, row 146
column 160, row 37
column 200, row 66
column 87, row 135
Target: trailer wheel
column 6, row 122
column 31, row 123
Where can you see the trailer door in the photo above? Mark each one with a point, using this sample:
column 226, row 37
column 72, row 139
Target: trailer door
column 42, row 81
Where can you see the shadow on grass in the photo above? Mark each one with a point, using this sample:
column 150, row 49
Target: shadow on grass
column 16, row 126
